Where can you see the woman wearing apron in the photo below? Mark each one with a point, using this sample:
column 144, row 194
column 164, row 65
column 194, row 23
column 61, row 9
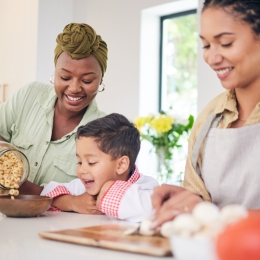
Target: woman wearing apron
column 223, row 164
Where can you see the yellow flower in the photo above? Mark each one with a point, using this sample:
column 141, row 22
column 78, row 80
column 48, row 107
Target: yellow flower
column 139, row 122
column 148, row 119
column 162, row 123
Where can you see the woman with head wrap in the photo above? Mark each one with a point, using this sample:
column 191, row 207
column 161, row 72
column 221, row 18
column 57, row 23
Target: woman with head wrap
column 41, row 120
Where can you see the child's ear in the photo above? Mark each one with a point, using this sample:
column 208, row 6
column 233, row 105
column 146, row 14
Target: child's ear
column 123, row 164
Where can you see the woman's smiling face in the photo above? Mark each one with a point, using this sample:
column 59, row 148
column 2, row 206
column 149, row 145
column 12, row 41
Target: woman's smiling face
column 231, row 48
column 76, row 82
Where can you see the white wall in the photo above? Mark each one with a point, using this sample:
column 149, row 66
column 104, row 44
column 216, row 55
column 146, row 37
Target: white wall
column 119, row 23
column 29, row 28
column 53, row 16
column 18, row 43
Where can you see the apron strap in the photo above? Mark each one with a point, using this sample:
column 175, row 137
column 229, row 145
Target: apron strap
column 211, row 122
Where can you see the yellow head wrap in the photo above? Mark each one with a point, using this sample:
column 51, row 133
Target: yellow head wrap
column 80, row 40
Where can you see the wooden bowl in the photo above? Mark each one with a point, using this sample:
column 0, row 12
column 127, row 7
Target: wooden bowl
column 24, row 206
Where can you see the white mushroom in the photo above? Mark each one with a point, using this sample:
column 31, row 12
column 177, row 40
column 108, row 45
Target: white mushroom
column 145, row 228
column 206, row 213
column 132, row 230
column 232, row 213
column 212, row 230
column 185, row 224
column 167, row 229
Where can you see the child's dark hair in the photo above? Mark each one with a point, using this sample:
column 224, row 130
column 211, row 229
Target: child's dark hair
column 115, row 135
column 247, row 10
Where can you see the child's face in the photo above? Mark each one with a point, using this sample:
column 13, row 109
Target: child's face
column 94, row 167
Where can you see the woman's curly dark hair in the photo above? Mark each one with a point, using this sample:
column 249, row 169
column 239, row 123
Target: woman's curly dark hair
column 246, row 10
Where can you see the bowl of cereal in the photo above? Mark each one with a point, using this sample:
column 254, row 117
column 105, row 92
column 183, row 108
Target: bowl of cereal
column 14, row 169
column 24, row 206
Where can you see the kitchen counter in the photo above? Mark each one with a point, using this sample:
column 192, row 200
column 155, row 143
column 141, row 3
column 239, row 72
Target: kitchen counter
column 19, row 239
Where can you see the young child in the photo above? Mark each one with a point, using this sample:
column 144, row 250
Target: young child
column 106, row 149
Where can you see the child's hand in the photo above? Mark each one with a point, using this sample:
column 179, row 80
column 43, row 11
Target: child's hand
column 85, row 203
column 102, row 192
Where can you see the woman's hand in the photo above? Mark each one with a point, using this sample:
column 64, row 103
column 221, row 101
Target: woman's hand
column 169, row 201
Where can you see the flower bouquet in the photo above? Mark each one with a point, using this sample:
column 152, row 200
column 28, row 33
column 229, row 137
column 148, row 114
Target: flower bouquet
column 163, row 132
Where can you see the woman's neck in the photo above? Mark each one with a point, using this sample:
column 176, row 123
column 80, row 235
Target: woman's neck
column 64, row 121
column 60, row 111
column 246, row 101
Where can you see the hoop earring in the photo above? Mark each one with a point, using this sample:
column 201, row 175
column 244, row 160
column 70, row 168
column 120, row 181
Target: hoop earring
column 104, row 87
column 52, row 82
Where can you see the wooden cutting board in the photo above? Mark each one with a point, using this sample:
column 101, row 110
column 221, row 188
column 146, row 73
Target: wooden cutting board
column 112, row 237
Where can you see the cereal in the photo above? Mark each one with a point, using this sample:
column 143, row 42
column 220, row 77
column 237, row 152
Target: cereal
column 11, row 171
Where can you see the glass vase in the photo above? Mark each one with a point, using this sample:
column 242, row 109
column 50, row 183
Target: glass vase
column 164, row 171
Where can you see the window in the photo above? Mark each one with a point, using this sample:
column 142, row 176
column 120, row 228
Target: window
column 178, row 64
column 178, row 75
column 152, row 65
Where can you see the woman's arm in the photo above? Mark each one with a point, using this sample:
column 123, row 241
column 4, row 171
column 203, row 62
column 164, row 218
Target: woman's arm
column 29, row 188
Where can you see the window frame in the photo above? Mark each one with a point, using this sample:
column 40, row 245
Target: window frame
column 162, row 18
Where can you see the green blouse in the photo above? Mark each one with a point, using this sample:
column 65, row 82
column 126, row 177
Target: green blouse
column 26, row 121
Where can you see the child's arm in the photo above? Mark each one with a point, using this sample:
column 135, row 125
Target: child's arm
column 126, row 200
column 71, row 197
column 84, row 203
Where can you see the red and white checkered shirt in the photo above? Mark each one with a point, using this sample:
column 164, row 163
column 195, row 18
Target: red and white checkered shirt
column 111, row 200
column 128, row 200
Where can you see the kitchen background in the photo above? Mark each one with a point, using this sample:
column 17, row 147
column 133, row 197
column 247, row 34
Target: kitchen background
column 131, row 29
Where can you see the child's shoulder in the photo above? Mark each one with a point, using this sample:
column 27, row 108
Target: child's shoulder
column 148, row 180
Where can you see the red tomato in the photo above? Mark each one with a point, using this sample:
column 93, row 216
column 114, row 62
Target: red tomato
column 241, row 241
